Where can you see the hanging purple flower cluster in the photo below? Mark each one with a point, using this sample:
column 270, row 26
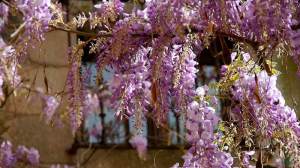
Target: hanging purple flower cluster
column 8, row 67
column 258, row 110
column 91, row 103
column 114, row 7
column 61, row 166
column 266, row 20
column 50, row 106
column 140, row 143
column 76, row 89
column 223, row 14
column 168, row 22
column 184, row 76
column 36, row 15
column 201, row 121
column 166, row 17
column 3, row 15
column 162, row 69
column 265, row 104
column 246, row 159
column 131, row 85
column 105, row 13
column 10, row 158
column 7, row 156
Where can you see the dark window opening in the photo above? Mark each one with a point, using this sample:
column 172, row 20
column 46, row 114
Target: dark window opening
column 116, row 133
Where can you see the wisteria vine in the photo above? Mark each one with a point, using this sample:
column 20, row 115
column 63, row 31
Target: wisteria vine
column 153, row 53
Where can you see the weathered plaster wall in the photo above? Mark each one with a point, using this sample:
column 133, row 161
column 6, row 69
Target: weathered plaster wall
column 23, row 111
column 289, row 83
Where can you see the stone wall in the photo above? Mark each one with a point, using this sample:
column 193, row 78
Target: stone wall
column 289, row 83
column 23, row 111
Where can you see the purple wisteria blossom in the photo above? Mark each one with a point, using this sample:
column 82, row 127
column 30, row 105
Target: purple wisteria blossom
column 246, row 159
column 265, row 103
column 36, row 18
column 131, row 88
column 7, row 156
column 21, row 152
column 3, row 15
column 262, row 20
column 201, row 122
column 258, row 105
column 115, row 6
column 61, row 166
column 33, row 156
column 37, row 15
column 91, row 104
column 9, row 64
column 10, row 158
column 140, row 144
column 184, row 76
column 76, row 94
column 50, row 106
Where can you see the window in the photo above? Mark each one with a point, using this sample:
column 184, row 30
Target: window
column 102, row 129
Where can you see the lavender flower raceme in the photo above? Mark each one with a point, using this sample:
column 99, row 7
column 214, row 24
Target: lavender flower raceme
column 162, row 82
column 75, row 90
column 91, row 104
column 9, row 64
column 11, row 159
column 184, row 77
column 200, row 123
column 268, row 106
column 7, row 156
column 51, row 104
column 114, row 7
column 105, row 13
column 33, row 156
column 264, row 20
column 21, row 152
column 92, row 123
column 259, row 107
column 61, row 166
column 131, row 86
column 36, row 17
column 246, row 159
column 3, row 15
column 140, row 143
